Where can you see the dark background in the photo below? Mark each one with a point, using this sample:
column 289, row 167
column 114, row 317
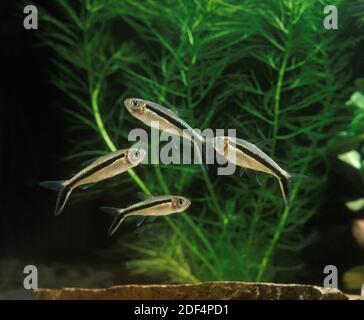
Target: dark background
column 33, row 140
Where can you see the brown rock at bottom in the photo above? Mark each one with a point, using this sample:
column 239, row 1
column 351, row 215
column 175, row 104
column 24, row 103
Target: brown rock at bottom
column 200, row 291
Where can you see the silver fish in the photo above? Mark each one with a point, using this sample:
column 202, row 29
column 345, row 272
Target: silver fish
column 247, row 155
column 149, row 113
column 155, row 206
column 99, row 169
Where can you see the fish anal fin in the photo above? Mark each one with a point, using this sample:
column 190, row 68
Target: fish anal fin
column 86, row 186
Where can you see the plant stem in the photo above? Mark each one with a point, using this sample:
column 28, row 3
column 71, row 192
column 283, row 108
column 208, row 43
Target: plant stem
column 277, row 100
column 192, row 224
column 282, row 222
column 144, row 188
column 279, row 229
column 108, row 141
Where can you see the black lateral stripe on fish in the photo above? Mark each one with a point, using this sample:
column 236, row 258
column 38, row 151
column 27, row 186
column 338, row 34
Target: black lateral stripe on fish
column 149, row 112
column 96, row 168
column 146, row 205
column 157, row 206
column 179, row 123
column 259, row 158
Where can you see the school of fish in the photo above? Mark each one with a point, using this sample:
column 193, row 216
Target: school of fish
column 238, row 151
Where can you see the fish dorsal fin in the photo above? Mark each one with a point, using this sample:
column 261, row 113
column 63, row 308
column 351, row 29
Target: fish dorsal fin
column 245, row 143
column 252, row 147
column 101, row 158
column 179, row 114
column 143, row 196
column 89, row 161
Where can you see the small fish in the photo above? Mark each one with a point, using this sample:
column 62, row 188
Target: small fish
column 149, row 112
column 99, row 169
column 248, row 155
column 155, row 206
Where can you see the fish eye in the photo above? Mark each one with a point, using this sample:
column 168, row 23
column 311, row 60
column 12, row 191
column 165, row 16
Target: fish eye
column 180, row 202
column 134, row 103
column 137, row 154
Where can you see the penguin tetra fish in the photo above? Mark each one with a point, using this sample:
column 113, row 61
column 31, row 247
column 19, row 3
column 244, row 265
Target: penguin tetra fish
column 155, row 206
column 247, row 155
column 100, row 169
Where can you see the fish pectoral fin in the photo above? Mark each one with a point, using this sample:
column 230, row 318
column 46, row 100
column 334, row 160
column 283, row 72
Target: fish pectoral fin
column 145, row 220
column 140, row 222
column 242, row 171
column 257, row 178
column 86, row 186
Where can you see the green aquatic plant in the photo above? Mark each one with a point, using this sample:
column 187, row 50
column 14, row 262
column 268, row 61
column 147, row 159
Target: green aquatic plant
column 347, row 146
column 268, row 69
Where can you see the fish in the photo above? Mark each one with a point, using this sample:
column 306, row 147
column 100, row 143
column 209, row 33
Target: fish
column 152, row 207
column 168, row 120
column 247, row 155
column 96, row 170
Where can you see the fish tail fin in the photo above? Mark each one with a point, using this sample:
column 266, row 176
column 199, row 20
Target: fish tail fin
column 118, row 218
column 63, row 190
column 285, row 186
column 53, row 185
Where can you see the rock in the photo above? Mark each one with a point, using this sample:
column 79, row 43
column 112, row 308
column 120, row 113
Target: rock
column 201, row 291
column 354, row 297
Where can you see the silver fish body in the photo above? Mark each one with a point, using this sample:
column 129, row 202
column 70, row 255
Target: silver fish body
column 100, row 169
column 160, row 117
column 247, row 155
column 155, row 206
